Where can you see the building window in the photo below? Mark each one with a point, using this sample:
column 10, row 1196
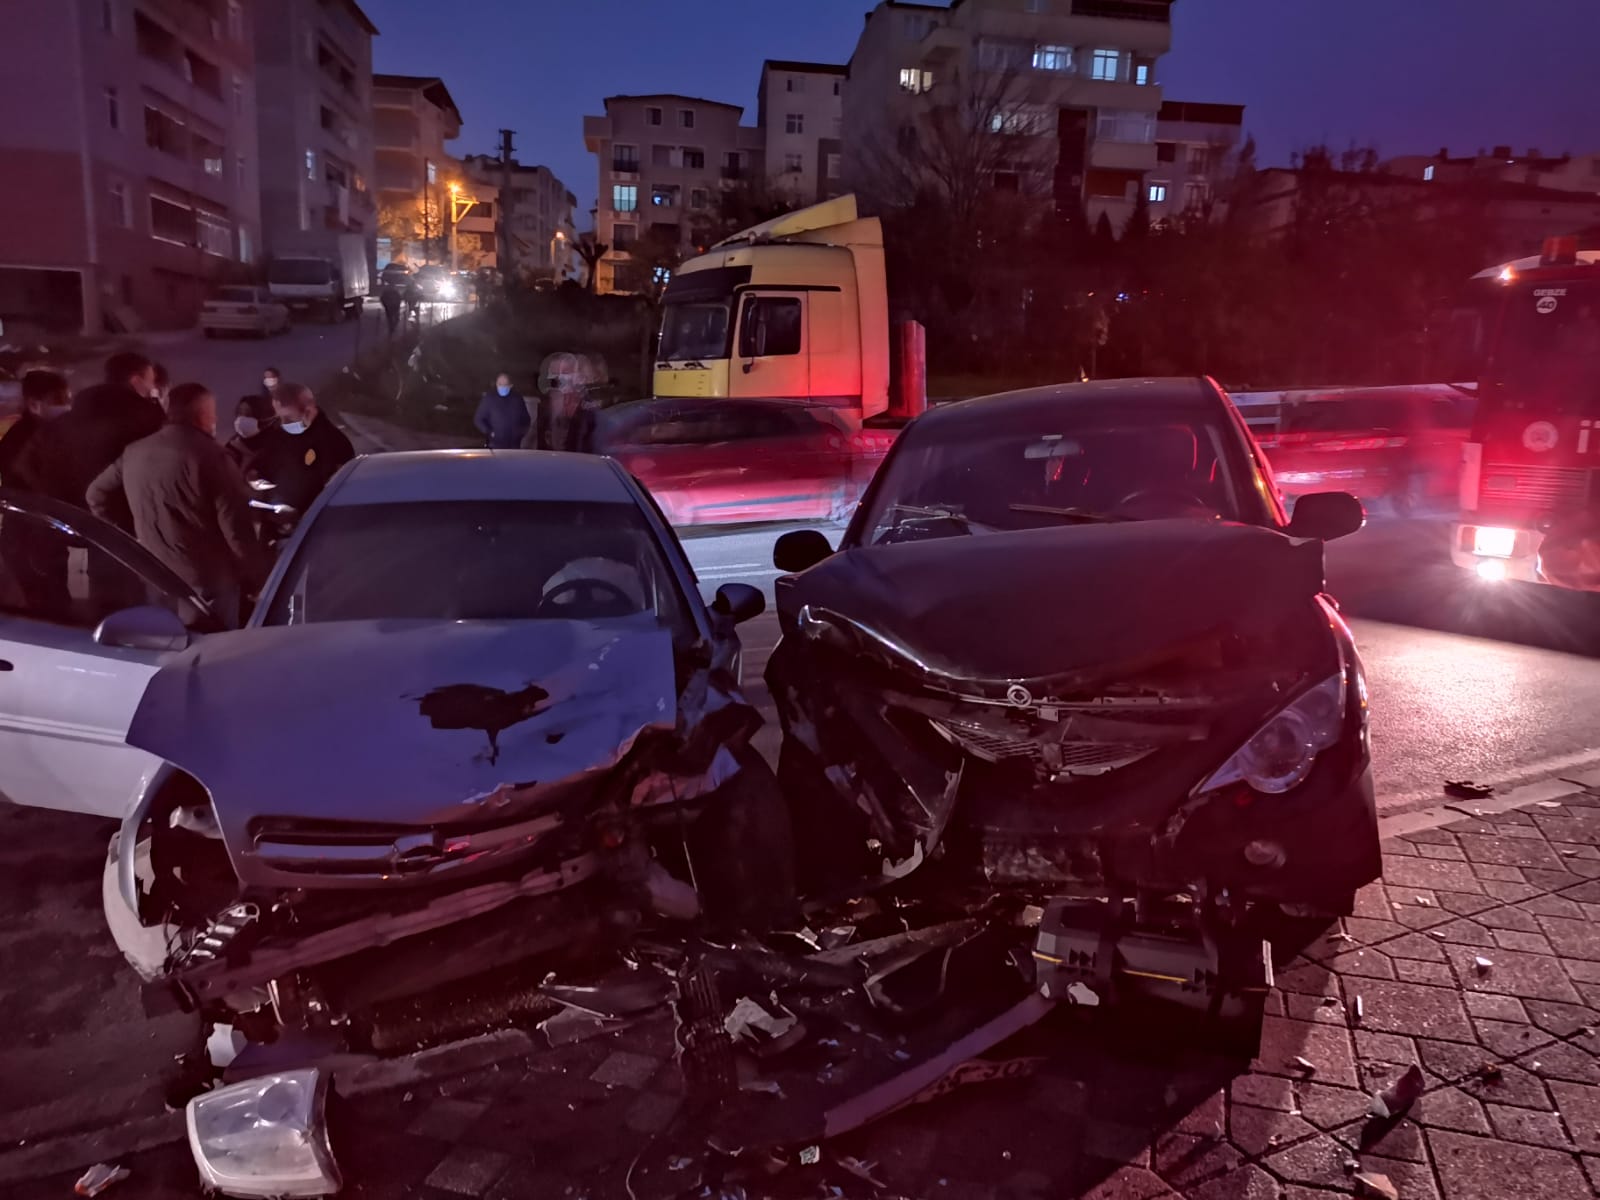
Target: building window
column 732, row 165
column 1167, row 152
column 1194, row 194
column 1427, row 173
column 833, row 166
column 624, row 157
column 652, row 116
column 1199, row 160
column 686, row 118
column 108, row 16
column 699, row 198
column 238, row 170
column 238, row 95
column 664, row 195
column 838, row 87
column 1158, row 192
column 793, row 164
column 171, row 222
column 433, row 172
column 121, row 210
column 769, row 326
column 624, row 197
column 694, row 160
column 1109, row 66
column 794, row 123
column 795, row 83
column 1003, row 56
column 246, row 252
column 113, row 108
column 163, row 133
column 1125, row 125
column 1141, row 74
column 1052, row 58
column 311, row 165
column 215, row 234
column 915, row 26
column 210, row 155
column 1025, row 120
column 623, row 235
column 235, row 21
column 912, row 80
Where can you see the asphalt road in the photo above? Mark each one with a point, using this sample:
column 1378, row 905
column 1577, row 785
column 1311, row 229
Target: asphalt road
column 1465, row 684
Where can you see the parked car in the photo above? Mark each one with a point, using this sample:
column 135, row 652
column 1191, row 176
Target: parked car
column 243, row 310
column 395, row 274
column 436, row 283
column 1070, row 645
column 1393, row 445
column 719, row 461
column 479, row 714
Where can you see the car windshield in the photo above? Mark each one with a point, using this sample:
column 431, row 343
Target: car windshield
column 1077, row 464
column 299, row 272
column 490, row 560
column 693, row 331
column 1548, row 353
column 236, row 295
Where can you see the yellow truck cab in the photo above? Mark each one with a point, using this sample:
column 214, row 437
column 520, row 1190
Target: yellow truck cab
column 795, row 308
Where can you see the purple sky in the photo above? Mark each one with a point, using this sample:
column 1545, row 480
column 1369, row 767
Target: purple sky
column 1407, row 75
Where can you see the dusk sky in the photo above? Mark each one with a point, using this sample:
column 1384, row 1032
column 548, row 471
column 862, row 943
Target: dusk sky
column 1409, row 76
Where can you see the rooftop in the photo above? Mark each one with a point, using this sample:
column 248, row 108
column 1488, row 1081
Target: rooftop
column 431, row 86
column 674, row 96
column 805, row 68
column 428, row 476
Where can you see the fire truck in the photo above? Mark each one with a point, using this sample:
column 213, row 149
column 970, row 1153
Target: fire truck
column 1530, row 479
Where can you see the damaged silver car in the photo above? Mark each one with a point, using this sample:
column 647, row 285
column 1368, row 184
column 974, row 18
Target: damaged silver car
column 1072, row 650
column 480, row 713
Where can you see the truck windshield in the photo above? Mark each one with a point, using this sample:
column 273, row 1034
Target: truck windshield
column 694, row 331
column 300, row 272
column 1547, row 355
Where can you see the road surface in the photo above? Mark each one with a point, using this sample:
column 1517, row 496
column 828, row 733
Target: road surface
column 1446, row 704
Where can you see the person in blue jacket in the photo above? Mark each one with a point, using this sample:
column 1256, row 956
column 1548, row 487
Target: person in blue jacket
column 502, row 415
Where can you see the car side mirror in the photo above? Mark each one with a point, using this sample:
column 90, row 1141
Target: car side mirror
column 799, row 549
column 147, row 627
column 739, row 602
column 1326, row 516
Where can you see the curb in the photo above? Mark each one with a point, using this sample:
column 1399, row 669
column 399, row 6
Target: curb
column 1544, row 791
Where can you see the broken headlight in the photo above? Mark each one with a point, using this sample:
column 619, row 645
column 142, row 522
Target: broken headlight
column 265, row 1137
column 1280, row 754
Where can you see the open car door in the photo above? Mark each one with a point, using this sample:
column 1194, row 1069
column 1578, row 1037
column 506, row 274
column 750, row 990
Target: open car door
column 67, row 694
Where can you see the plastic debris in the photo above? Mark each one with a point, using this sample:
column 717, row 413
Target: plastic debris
column 1548, row 803
column 1329, row 1001
column 1424, row 901
column 1370, row 1183
column 861, row 1170
column 1305, row 1064
column 1350, row 1165
column 1081, row 993
column 1467, row 789
column 1339, row 935
column 761, row 1028
column 1359, row 1011
column 679, row 1162
column 810, row 1156
column 1482, row 965
column 98, row 1178
column 1399, row 1096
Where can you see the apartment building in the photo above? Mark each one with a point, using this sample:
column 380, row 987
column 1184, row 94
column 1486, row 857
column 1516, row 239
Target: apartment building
column 1566, row 173
column 1195, row 147
column 799, row 112
column 538, row 208
column 1078, row 79
column 413, row 116
column 314, row 84
column 128, row 130
column 663, row 161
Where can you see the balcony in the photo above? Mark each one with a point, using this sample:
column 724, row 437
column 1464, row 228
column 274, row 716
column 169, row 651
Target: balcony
column 1122, row 156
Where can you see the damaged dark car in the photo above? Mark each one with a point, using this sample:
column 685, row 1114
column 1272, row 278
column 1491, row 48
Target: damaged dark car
column 1071, row 650
column 480, row 715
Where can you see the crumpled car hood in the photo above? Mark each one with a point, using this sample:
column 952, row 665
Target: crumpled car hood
column 402, row 722
column 1049, row 602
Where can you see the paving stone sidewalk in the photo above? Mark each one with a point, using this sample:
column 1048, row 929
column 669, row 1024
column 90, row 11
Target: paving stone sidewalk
column 1509, row 1051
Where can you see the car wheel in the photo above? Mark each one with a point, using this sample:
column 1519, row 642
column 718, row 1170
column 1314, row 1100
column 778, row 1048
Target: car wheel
column 742, row 851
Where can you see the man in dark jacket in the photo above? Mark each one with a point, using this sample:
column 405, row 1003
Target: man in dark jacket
column 300, row 464
column 68, row 454
column 503, row 416
column 45, row 396
column 189, row 504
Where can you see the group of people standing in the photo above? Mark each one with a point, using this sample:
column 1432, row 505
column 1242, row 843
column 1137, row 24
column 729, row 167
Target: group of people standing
column 561, row 419
column 149, row 460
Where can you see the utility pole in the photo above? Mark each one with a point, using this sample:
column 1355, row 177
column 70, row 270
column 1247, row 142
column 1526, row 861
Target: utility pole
column 507, row 262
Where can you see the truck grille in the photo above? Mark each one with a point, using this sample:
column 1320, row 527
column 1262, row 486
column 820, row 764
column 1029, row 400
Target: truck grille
column 1520, row 485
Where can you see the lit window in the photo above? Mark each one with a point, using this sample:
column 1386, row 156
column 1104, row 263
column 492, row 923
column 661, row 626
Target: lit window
column 794, row 123
column 1141, row 74
column 1109, row 66
column 652, row 116
column 833, row 166
column 1052, row 58
column 311, row 166
column 664, row 195
column 113, row 109
column 1427, row 173
column 1024, row 119
column 1158, row 192
column 433, row 172
column 1131, row 126
column 686, row 118
column 914, row 81
column 793, row 164
column 624, row 197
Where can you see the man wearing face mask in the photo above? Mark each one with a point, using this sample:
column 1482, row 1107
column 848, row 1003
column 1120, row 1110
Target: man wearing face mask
column 300, row 464
column 502, row 416
column 45, row 396
column 187, row 503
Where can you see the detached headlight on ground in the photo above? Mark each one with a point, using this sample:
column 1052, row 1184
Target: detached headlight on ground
column 1494, row 543
column 1282, row 752
column 265, row 1137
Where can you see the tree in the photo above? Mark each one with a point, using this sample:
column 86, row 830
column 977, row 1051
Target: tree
column 654, row 257
column 415, row 226
column 591, row 250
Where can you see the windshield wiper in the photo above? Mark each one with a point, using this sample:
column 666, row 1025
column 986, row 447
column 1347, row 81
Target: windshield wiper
column 1071, row 514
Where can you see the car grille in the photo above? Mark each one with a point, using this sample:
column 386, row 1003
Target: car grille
column 338, row 851
column 1520, row 485
column 1065, row 757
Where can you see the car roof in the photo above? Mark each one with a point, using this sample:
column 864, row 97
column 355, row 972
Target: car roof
column 1186, row 391
column 414, row 476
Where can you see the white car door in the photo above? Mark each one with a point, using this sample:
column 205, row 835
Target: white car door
column 66, row 697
